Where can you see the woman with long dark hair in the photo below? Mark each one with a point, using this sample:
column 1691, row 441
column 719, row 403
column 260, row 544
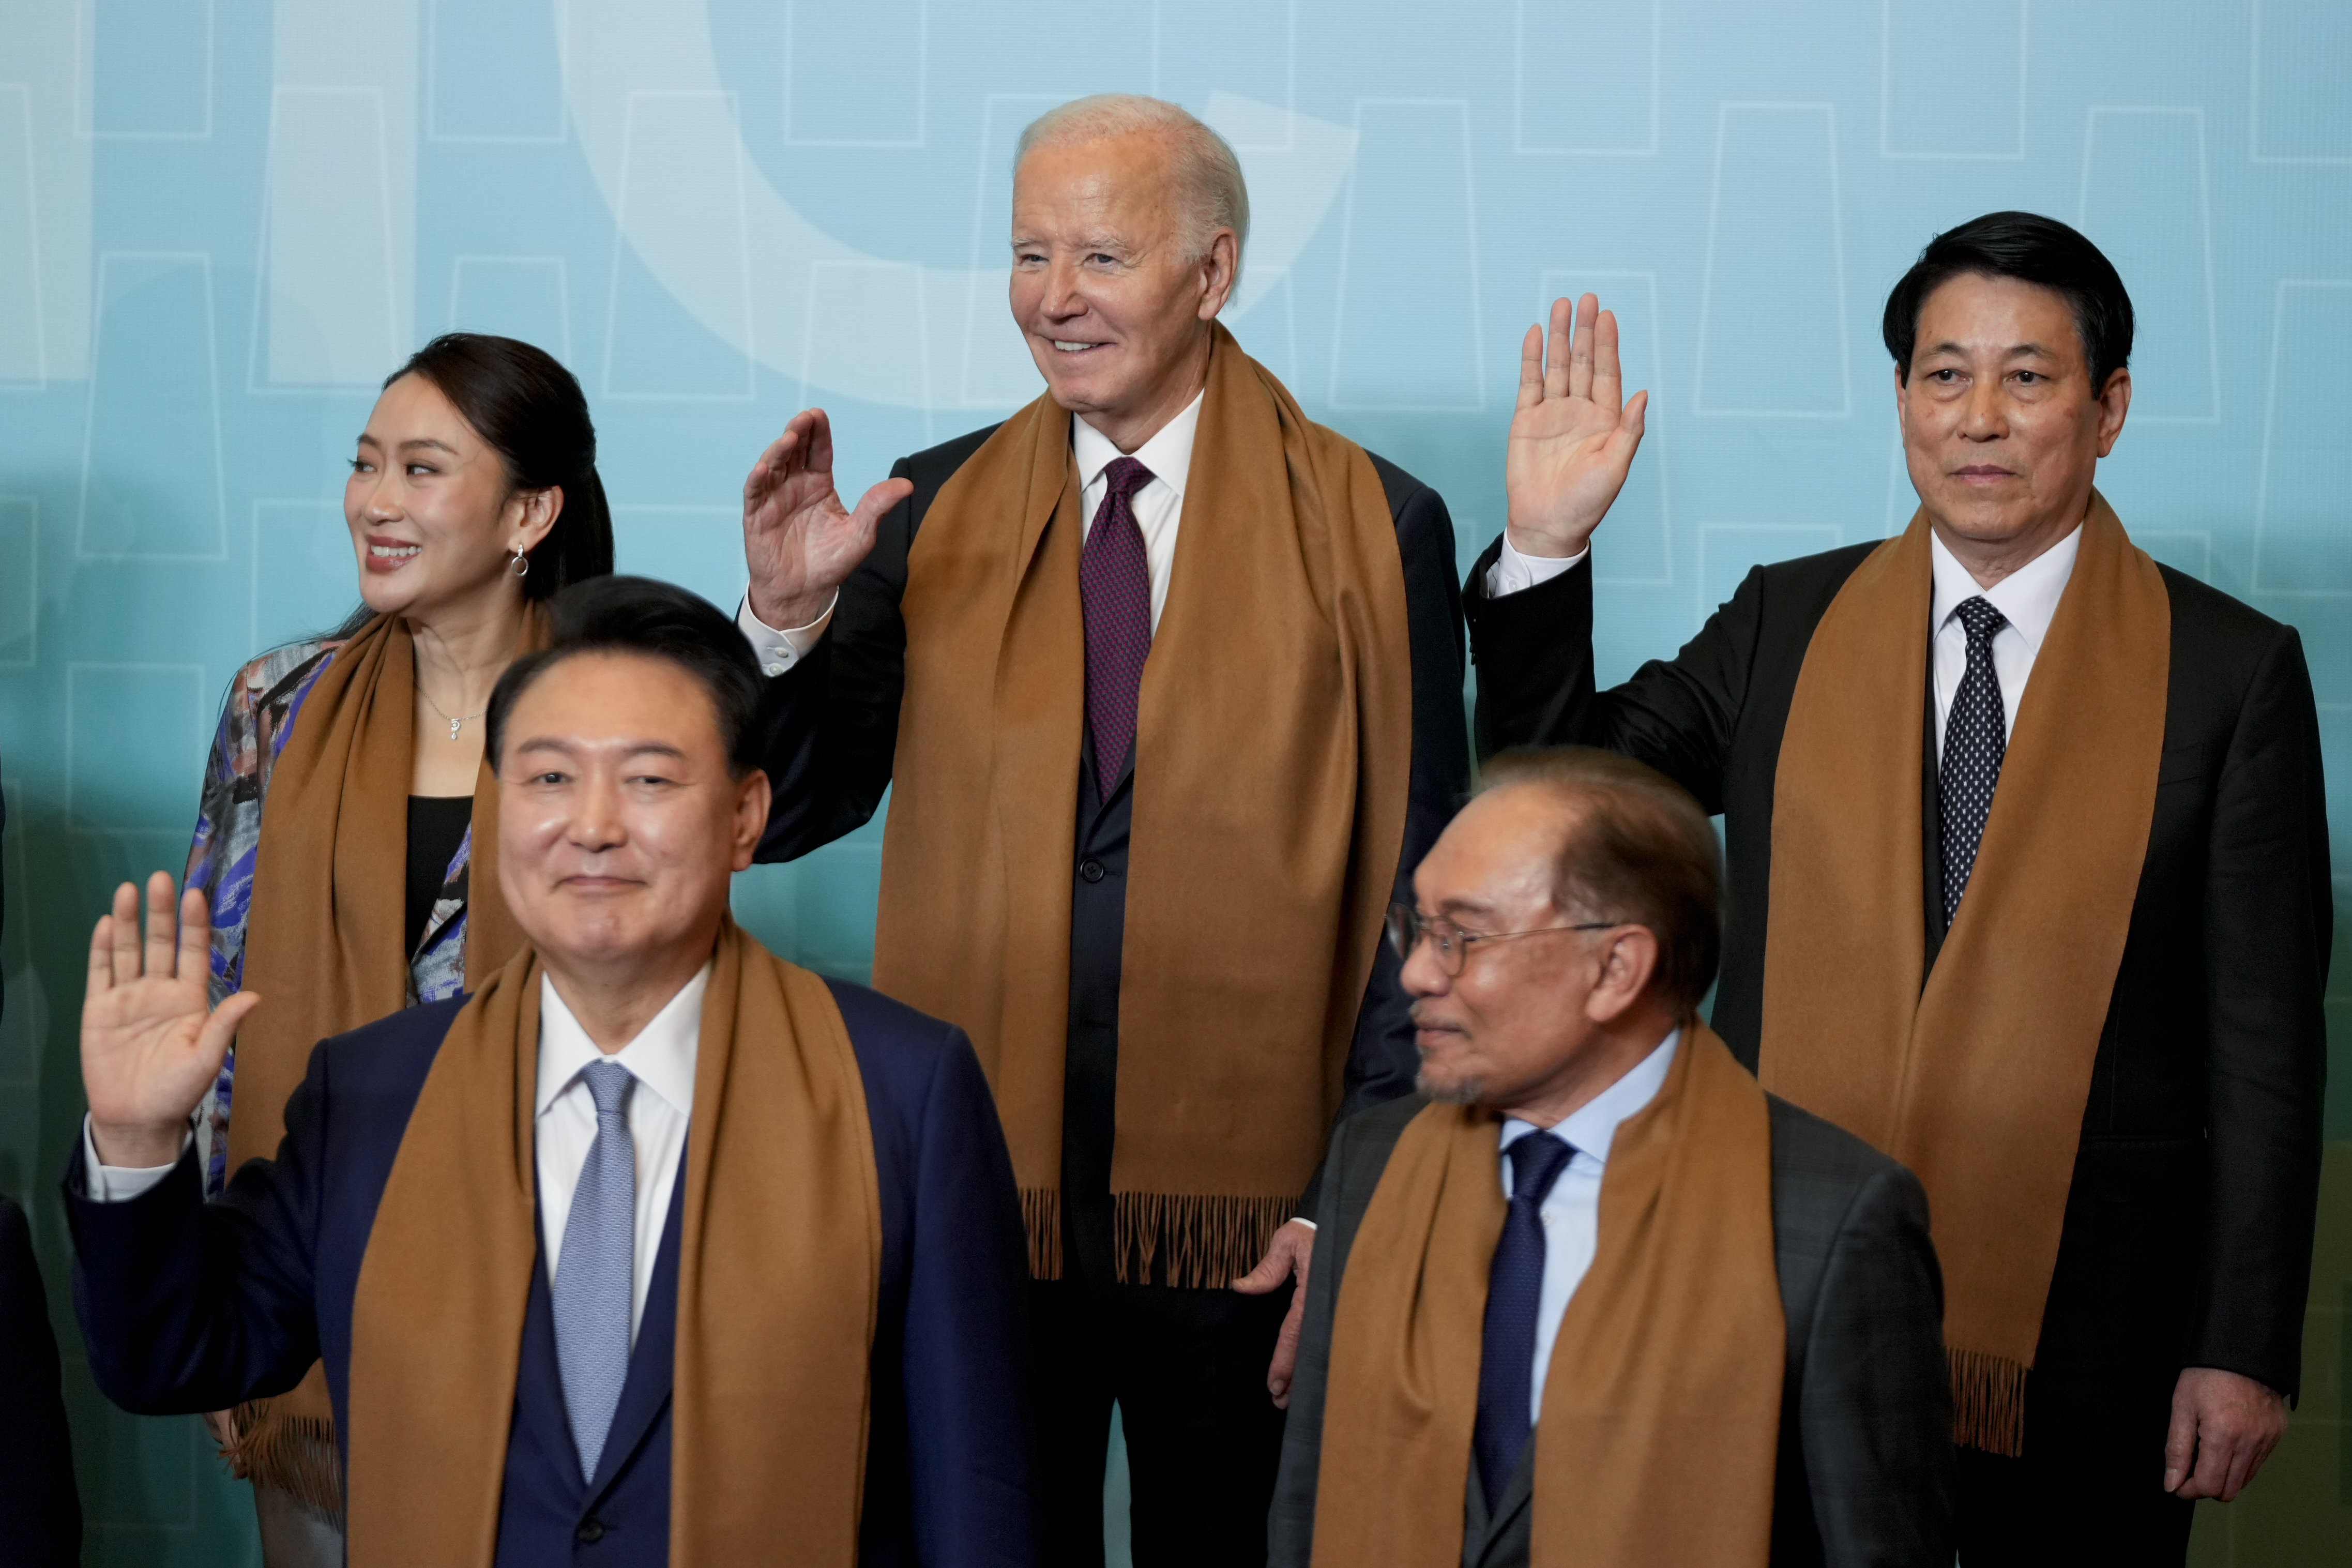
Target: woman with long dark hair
column 346, row 840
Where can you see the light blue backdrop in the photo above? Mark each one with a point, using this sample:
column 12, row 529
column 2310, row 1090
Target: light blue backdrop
column 223, row 221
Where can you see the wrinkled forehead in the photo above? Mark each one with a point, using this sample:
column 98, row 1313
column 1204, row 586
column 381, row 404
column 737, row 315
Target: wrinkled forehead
column 1123, row 177
column 1983, row 313
column 1498, row 854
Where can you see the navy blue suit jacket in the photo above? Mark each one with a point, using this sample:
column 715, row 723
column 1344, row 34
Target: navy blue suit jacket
column 190, row 1307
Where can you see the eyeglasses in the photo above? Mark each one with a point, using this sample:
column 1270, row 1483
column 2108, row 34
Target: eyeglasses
column 1408, row 929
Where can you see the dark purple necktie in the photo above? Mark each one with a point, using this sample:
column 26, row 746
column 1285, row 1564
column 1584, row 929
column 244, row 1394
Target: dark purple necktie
column 1507, row 1358
column 1115, row 583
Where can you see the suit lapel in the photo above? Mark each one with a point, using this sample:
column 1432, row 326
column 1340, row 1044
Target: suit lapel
column 1931, row 824
column 1511, row 1521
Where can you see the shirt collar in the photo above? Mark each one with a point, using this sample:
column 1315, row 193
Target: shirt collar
column 1592, row 1127
column 661, row 1057
column 2027, row 598
column 1169, row 454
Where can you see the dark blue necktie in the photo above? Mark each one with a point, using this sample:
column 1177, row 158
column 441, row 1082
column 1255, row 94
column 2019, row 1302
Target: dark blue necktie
column 1976, row 738
column 1507, row 1363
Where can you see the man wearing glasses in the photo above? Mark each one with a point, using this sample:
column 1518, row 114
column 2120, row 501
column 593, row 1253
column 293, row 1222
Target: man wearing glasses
column 1591, row 1292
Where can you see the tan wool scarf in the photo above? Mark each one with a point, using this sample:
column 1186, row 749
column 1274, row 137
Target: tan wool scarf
column 323, row 948
column 779, row 1277
column 1273, row 756
column 1661, row 1417
column 1974, row 1075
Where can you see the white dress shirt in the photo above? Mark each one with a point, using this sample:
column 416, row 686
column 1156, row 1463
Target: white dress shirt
column 1160, row 504
column 1513, row 572
column 1158, row 507
column 2027, row 597
column 1571, row 1211
column 661, row 1057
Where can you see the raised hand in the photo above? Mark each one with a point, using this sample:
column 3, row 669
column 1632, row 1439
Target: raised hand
column 151, row 1045
column 1573, row 438
column 799, row 541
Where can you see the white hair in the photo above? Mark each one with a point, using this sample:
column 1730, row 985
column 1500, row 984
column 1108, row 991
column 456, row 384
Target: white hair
column 1201, row 161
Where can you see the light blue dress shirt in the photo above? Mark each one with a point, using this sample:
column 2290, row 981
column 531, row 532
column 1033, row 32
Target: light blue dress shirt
column 1571, row 1213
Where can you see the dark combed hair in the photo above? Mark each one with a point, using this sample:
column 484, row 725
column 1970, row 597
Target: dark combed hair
column 655, row 620
column 1638, row 850
column 531, row 411
column 2032, row 249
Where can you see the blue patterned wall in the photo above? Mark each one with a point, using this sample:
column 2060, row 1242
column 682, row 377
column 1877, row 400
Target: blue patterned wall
column 223, row 221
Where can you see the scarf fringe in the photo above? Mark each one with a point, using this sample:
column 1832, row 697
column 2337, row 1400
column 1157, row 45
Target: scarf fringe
column 292, row 1454
column 1987, row 1402
column 1041, row 1216
column 1197, row 1240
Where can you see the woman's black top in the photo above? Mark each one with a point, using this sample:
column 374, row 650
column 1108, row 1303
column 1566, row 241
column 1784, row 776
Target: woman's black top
column 436, row 826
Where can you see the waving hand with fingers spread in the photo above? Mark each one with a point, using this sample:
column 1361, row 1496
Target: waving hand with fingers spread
column 1573, row 438
column 800, row 542
column 150, row 1045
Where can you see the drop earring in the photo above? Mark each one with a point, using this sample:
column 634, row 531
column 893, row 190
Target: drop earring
column 520, row 565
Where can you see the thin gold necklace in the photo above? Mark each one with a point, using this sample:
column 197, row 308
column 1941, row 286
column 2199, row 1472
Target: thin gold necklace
column 436, row 707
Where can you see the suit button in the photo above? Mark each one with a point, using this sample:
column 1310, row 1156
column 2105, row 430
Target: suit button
column 1091, row 870
column 590, row 1530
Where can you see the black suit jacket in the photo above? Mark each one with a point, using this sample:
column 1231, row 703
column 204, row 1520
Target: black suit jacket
column 831, row 732
column 39, row 1508
column 1865, row 1471
column 2188, row 1227
column 41, row 1513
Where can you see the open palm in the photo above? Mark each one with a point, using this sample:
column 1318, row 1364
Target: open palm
column 151, row 1044
column 800, row 542
column 1573, row 436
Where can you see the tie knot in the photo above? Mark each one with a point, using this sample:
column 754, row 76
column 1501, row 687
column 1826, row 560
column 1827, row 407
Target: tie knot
column 609, row 1083
column 1980, row 618
column 1126, row 477
column 1536, row 1161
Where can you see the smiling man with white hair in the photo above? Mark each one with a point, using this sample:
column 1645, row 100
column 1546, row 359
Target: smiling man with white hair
column 1165, row 682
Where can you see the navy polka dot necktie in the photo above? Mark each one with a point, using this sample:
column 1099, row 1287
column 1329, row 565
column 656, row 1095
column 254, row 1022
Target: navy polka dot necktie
column 1114, row 588
column 1507, row 1358
column 1976, row 738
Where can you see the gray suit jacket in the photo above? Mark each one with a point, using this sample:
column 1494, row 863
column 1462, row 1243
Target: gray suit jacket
column 1866, row 1454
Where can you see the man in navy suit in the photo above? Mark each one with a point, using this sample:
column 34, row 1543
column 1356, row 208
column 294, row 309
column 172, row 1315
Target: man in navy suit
column 628, row 800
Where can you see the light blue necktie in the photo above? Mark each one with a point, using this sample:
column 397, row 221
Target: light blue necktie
column 597, row 1266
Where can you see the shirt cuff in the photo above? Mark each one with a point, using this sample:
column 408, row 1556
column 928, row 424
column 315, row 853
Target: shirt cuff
column 1513, row 572
column 120, row 1184
column 779, row 650
column 1302, row 1220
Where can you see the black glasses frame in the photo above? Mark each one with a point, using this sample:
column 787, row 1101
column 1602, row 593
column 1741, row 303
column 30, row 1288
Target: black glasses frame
column 1408, row 929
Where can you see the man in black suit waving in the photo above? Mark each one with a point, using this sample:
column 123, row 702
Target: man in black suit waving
column 1164, row 680
column 2058, row 946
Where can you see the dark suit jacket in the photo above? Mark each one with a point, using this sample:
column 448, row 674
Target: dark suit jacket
column 41, row 1513
column 2189, row 1229
column 1866, row 1454
column 831, row 732
column 189, row 1307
